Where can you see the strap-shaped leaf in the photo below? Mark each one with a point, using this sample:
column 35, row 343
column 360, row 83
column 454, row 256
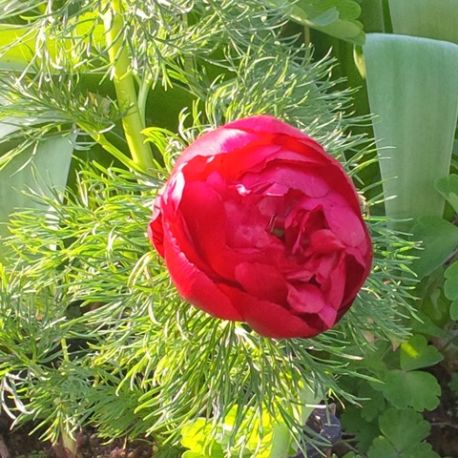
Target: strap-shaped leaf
column 426, row 18
column 42, row 170
column 413, row 92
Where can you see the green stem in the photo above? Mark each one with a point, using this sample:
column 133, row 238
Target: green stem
column 145, row 86
column 125, row 85
column 110, row 148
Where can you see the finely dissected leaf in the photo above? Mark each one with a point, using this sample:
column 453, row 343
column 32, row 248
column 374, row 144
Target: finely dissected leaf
column 416, row 389
column 439, row 240
column 416, row 353
column 448, row 187
column 20, row 45
column 426, row 18
column 413, row 92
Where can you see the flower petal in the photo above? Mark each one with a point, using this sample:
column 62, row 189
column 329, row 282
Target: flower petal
column 262, row 280
column 267, row 318
column 194, row 285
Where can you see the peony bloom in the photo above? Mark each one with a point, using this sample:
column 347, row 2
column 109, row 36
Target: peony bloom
column 257, row 223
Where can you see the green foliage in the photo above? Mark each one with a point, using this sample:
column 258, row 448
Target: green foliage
column 92, row 333
column 448, row 187
column 425, row 18
column 412, row 158
column 337, row 18
column 416, row 389
column 439, row 239
column 402, row 433
column 44, row 169
column 388, row 419
column 450, row 289
column 202, row 442
column 112, row 346
column 417, row 354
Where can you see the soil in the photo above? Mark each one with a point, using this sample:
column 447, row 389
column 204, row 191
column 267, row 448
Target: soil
column 444, row 419
column 21, row 444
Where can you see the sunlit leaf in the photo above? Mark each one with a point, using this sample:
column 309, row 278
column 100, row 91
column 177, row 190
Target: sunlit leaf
column 413, row 93
column 416, row 354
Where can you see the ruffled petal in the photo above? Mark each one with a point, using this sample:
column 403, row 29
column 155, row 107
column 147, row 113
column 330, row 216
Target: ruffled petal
column 305, row 298
column 267, row 318
column 194, row 285
column 262, row 280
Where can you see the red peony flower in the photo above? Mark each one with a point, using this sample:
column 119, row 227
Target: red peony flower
column 257, row 223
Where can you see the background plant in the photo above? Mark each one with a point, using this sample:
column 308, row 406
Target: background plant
column 102, row 96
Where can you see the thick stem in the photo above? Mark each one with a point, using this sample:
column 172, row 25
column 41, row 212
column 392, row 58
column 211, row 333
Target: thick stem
column 125, row 86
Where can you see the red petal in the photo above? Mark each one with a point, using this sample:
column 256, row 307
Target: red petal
column 194, row 285
column 265, row 124
column 155, row 228
column 220, row 141
column 305, row 298
column 267, row 318
column 262, row 281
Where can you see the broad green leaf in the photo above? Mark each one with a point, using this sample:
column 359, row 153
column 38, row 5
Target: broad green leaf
column 337, row 18
column 416, row 353
column 413, row 92
column 404, row 428
column 365, row 431
column 448, row 187
column 374, row 404
column 382, row 448
column 416, row 389
column 42, row 170
column 426, row 18
column 196, row 436
column 439, row 239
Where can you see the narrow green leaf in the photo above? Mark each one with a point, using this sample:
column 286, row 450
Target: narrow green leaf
column 416, row 354
column 413, row 93
column 426, row 18
column 439, row 239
